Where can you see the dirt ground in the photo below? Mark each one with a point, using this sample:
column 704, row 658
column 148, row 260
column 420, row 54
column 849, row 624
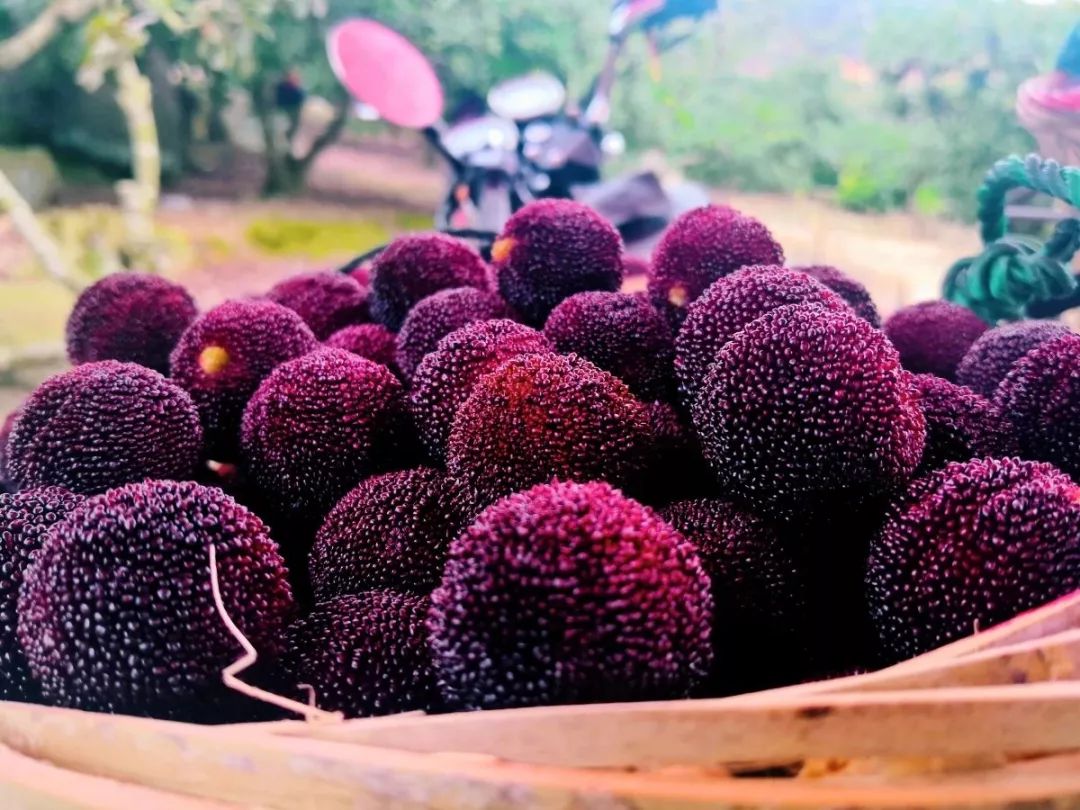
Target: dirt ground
column 901, row 258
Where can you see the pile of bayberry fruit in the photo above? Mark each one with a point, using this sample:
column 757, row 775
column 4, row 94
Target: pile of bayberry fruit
column 441, row 484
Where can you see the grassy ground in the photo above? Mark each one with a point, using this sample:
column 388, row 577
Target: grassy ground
column 238, row 247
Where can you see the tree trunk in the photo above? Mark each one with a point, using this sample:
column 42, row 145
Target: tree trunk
column 26, row 223
column 286, row 173
column 218, row 95
column 280, row 179
column 284, row 177
column 331, row 133
column 31, row 39
column 13, row 52
column 139, row 195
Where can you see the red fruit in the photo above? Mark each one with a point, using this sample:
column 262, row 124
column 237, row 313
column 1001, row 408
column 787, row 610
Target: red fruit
column 543, row 416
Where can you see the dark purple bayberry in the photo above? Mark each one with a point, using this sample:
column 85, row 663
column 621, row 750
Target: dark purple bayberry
column 570, row 593
column 327, row 301
column 731, row 303
column 365, row 654
column 960, row 424
column 854, row 293
column 970, row 546
column 101, row 425
column 24, row 520
column 543, row 416
column 391, row 531
column 415, row 266
column 701, row 246
column 619, row 333
column 445, row 377
column 933, row 337
column 116, row 611
column 992, row 356
column 1041, row 397
column 318, row 425
column 808, row 410
column 131, row 317
column 759, row 595
column 437, row 316
column 551, row 249
column 369, row 340
column 6, row 484
column 225, row 354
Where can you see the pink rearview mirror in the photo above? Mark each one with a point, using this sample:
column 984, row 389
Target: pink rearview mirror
column 385, row 71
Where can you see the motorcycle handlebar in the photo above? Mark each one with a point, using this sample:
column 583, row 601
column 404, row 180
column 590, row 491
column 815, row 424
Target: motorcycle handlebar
column 434, row 137
column 484, row 238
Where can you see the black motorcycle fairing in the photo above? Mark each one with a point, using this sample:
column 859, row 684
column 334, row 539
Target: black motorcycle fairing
column 626, row 198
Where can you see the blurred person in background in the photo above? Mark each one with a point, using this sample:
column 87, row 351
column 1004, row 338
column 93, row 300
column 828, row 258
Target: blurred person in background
column 1068, row 64
column 1049, row 105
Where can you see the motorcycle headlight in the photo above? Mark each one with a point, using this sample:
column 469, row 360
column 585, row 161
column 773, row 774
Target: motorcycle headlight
column 613, row 144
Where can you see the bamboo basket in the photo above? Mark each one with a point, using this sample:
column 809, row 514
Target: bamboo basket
column 992, row 721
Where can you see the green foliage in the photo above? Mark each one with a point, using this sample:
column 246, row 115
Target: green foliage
column 928, row 200
column 92, row 236
column 411, row 221
column 313, row 238
column 769, row 109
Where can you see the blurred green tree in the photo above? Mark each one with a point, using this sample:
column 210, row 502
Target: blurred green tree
column 471, row 44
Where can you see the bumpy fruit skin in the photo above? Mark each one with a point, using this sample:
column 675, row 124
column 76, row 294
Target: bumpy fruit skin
column 131, row 317
column 116, row 612
column 933, row 337
column 318, row 424
column 731, row 303
column 101, row 425
column 569, row 593
column 970, row 546
column 853, row 292
column 551, row 249
column 545, row 416
column 370, row 340
column 1041, row 397
column 365, row 654
column 960, row 424
column 701, row 246
column 224, row 355
column 992, row 356
column 759, row 595
column 807, row 410
column 416, row 266
column 620, row 333
column 391, row 531
column 24, row 520
column 6, row 484
column 437, row 316
column 445, row 377
column 327, row 301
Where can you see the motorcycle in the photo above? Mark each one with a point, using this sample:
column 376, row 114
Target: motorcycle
column 528, row 142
